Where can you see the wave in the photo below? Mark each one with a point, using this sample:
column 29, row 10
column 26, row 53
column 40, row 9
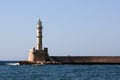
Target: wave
column 12, row 64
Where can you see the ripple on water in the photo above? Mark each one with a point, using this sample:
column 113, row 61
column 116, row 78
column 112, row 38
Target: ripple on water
column 60, row 72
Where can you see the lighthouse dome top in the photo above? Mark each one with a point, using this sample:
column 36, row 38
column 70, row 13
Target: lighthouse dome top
column 39, row 22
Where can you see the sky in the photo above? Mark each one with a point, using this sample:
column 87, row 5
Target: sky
column 70, row 27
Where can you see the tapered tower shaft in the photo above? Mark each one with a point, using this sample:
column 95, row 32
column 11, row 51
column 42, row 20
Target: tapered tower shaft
column 39, row 35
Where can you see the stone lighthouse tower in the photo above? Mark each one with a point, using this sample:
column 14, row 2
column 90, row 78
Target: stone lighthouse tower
column 38, row 54
column 39, row 35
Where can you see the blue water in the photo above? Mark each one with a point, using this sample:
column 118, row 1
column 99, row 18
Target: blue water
column 58, row 72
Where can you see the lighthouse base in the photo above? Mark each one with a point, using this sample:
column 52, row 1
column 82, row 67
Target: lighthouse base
column 38, row 55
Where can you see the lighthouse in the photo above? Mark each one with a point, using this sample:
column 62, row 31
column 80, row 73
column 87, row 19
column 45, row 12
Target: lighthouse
column 39, row 35
column 38, row 53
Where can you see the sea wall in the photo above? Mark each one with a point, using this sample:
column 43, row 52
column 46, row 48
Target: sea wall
column 85, row 59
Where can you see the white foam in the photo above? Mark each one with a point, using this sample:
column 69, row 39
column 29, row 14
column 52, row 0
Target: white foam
column 13, row 64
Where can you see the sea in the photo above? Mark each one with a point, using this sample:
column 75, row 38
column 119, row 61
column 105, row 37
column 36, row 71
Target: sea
column 10, row 70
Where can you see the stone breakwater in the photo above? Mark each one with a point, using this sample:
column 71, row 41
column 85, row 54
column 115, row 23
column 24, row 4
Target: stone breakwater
column 35, row 62
column 76, row 60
